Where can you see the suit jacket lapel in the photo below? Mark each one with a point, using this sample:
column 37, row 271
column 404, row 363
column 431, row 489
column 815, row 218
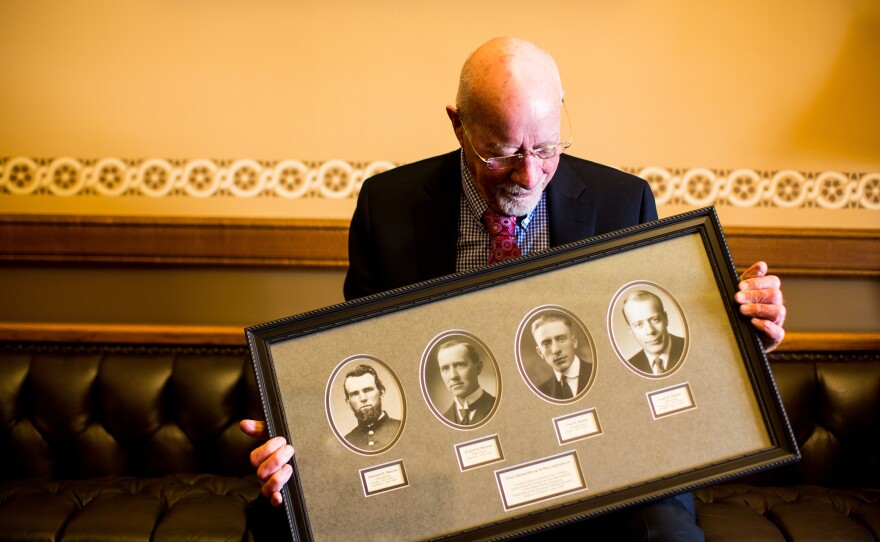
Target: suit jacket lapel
column 436, row 219
column 572, row 213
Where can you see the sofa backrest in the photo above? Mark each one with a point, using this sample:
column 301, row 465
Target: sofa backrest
column 833, row 405
column 74, row 411
column 78, row 411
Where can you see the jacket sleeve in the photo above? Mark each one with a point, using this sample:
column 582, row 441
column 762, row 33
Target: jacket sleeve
column 648, row 211
column 362, row 277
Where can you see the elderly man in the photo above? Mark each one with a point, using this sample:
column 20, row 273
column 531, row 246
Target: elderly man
column 460, row 367
column 507, row 191
column 557, row 346
column 648, row 322
column 375, row 428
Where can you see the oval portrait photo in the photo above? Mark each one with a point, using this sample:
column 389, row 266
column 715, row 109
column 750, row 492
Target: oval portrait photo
column 365, row 405
column 555, row 354
column 460, row 379
column 648, row 329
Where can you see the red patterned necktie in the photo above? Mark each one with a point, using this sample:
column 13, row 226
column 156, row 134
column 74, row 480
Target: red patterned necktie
column 503, row 232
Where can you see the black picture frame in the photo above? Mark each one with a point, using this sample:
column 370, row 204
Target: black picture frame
column 714, row 415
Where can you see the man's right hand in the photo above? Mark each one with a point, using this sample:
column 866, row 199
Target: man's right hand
column 270, row 459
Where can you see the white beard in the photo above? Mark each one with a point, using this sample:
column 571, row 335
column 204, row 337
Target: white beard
column 518, row 206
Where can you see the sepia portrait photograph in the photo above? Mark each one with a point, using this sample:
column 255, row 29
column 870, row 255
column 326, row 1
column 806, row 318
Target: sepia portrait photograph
column 365, row 405
column 460, row 379
column 555, row 354
column 648, row 329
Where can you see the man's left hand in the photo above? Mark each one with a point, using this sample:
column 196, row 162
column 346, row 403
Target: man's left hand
column 760, row 297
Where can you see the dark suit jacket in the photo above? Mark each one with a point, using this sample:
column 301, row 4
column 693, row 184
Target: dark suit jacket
column 640, row 360
column 405, row 226
column 481, row 407
column 374, row 437
column 549, row 387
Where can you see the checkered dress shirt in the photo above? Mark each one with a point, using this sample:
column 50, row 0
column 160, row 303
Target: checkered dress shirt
column 474, row 241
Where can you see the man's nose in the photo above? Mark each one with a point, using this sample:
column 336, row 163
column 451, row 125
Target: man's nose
column 530, row 172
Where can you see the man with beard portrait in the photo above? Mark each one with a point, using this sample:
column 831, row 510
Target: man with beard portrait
column 363, row 392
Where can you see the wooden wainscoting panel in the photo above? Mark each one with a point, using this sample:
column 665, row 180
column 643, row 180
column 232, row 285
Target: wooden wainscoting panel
column 808, row 252
column 122, row 333
column 147, row 240
column 324, row 243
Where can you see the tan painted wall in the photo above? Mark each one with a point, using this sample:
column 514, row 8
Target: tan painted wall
column 783, row 84
column 751, row 84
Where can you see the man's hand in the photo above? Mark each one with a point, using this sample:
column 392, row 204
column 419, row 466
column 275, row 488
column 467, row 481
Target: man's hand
column 270, row 460
column 761, row 298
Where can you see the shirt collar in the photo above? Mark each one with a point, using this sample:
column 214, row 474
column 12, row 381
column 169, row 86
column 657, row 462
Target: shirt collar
column 573, row 371
column 469, row 400
column 379, row 422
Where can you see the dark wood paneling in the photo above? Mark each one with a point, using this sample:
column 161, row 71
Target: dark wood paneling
column 160, row 241
column 808, row 251
column 323, row 243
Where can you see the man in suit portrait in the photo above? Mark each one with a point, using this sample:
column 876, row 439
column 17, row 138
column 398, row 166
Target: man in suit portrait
column 375, row 429
column 557, row 346
column 648, row 322
column 508, row 189
column 460, row 367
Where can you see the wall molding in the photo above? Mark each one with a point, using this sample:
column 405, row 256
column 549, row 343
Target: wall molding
column 173, row 241
column 112, row 177
column 36, row 239
column 234, row 336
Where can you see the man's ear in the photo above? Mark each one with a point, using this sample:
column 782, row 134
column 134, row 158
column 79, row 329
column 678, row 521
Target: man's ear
column 455, row 118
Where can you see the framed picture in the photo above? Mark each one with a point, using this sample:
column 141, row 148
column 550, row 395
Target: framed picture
column 545, row 389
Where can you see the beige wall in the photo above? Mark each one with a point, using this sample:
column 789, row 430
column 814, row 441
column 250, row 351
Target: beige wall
column 788, row 84
column 783, row 84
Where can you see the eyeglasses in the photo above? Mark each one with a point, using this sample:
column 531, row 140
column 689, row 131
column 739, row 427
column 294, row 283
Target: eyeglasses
column 513, row 160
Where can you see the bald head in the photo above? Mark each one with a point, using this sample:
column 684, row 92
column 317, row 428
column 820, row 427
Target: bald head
column 509, row 105
column 508, row 74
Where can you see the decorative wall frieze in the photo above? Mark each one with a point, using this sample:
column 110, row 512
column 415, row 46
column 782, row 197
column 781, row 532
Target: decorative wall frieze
column 338, row 179
column 199, row 178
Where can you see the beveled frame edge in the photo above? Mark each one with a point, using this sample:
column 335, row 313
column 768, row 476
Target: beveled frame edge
column 322, row 243
column 703, row 221
column 273, row 412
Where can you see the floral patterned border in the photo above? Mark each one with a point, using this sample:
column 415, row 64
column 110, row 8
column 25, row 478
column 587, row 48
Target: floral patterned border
column 338, row 179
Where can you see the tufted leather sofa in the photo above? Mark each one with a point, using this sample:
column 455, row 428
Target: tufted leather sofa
column 125, row 443
column 141, row 443
column 833, row 493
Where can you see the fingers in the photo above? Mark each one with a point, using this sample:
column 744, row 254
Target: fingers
column 272, row 487
column 771, row 313
column 760, row 298
column 765, row 296
column 758, row 269
column 764, row 282
column 269, row 456
column 276, row 499
column 760, row 295
column 270, row 459
column 254, row 428
column 771, row 333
